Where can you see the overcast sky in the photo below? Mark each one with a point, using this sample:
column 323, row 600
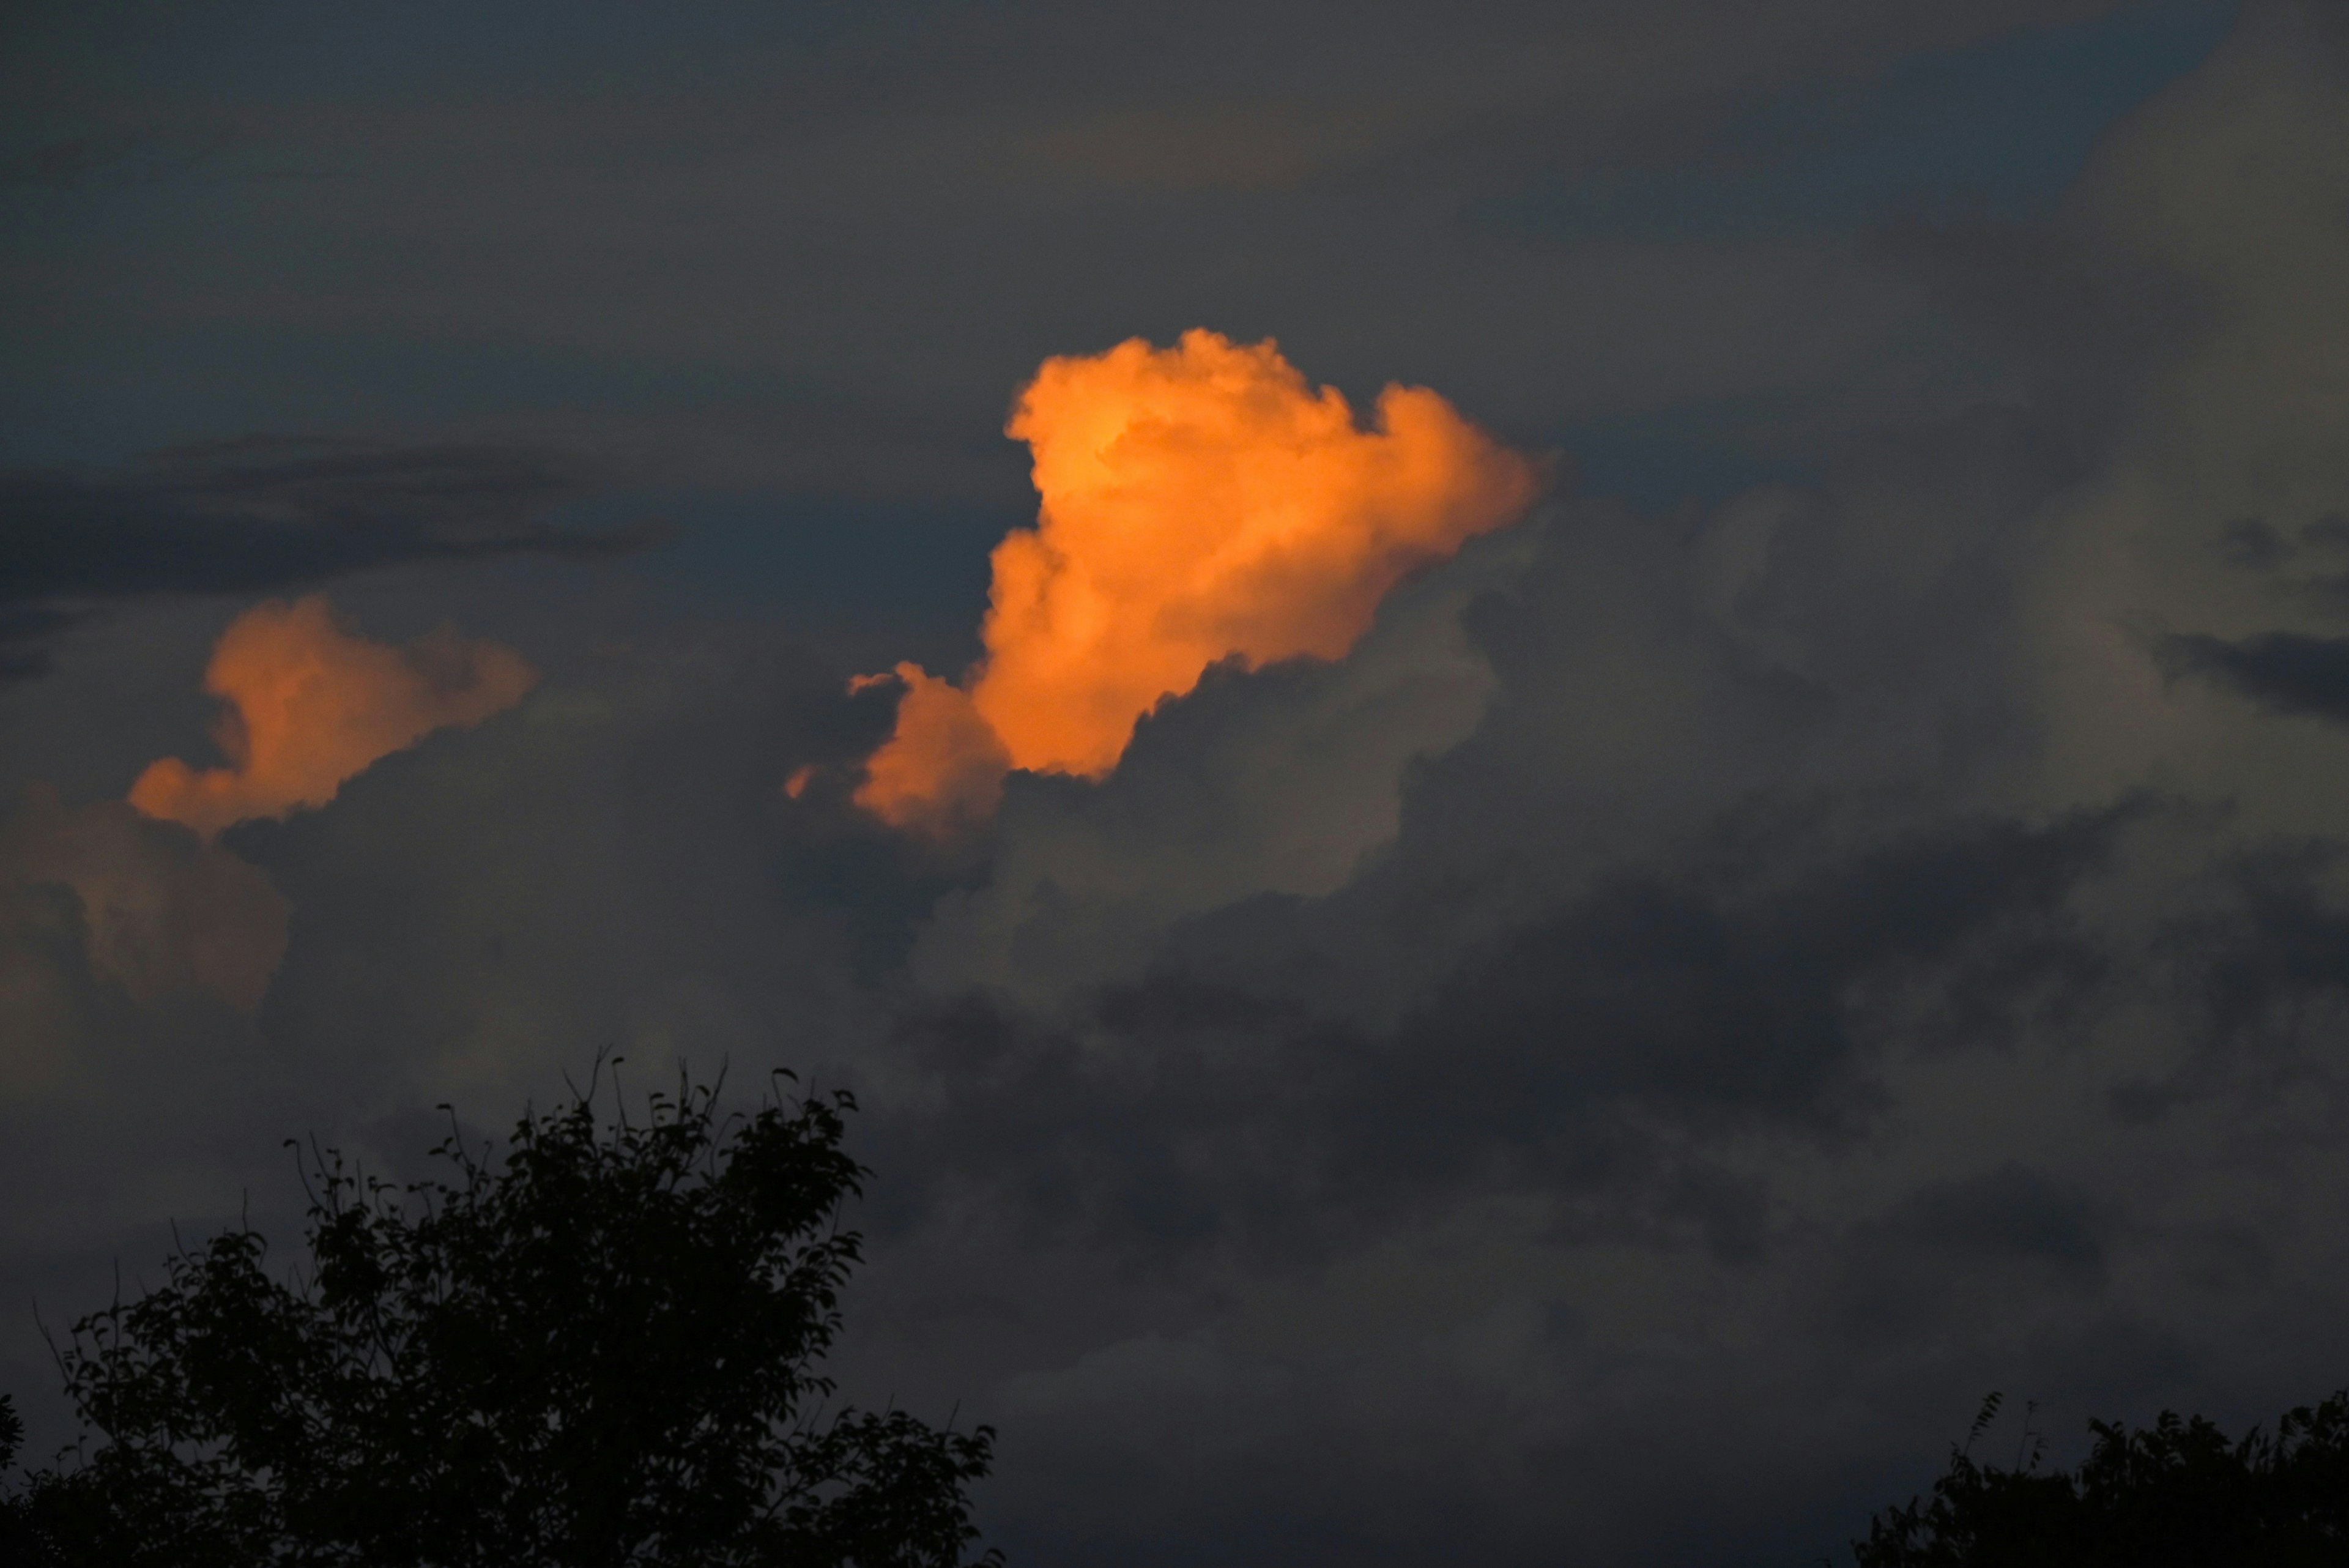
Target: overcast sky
column 1837, row 904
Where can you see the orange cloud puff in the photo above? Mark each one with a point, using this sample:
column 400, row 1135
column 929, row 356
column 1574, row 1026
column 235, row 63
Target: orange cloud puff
column 1198, row 501
column 310, row 704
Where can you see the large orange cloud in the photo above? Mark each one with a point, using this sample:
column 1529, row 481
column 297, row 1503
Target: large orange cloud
column 310, row 704
column 1199, row 502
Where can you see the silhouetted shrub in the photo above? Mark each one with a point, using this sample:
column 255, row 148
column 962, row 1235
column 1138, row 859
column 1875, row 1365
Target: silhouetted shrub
column 2176, row 1494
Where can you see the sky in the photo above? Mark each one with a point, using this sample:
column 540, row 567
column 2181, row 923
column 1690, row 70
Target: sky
column 1546, row 768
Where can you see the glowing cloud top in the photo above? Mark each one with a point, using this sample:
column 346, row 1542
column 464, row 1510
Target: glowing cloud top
column 1199, row 502
column 311, row 703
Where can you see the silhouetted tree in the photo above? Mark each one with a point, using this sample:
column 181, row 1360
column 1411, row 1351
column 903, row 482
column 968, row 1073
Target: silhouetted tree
column 2176, row 1494
column 17, row 1545
column 595, row 1351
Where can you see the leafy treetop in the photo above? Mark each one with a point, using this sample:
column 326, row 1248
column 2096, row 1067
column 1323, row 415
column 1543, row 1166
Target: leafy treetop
column 2176, row 1494
column 599, row 1350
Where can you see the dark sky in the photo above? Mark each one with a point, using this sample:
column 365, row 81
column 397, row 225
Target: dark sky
column 1844, row 908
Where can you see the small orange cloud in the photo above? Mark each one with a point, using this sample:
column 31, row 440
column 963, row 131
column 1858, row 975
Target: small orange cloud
column 1198, row 501
column 311, row 703
column 943, row 770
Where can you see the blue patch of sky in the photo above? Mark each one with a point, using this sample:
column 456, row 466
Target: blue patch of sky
column 1703, row 450
column 866, row 579
column 2003, row 128
column 1999, row 130
column 263, row 51
column 103, row 396
column 1698, row 452
column 871, row 582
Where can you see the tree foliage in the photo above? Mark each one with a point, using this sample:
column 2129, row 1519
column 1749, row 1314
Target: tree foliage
column 597, row 1350
column 2176, row 1494
column 17, row 1545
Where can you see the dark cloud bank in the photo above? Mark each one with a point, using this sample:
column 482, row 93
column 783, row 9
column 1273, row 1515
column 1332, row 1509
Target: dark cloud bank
column 269, row 514
column 1609, row 1073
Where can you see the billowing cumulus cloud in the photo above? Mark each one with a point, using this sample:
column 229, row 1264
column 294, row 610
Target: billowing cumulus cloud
column 1199, row 503
column 309, row 703
column 154, row 910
